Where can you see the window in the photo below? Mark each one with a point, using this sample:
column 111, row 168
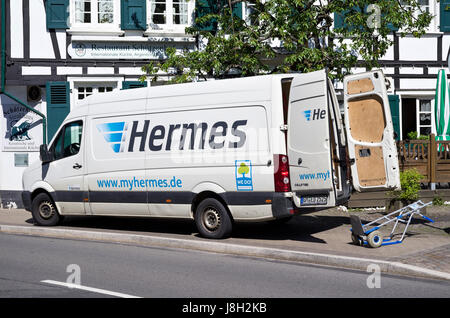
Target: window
column 180, row 12
column 95, row 15
column 425, row 6
column 94, row 11
column 171, row 15
column 424, row 115
column 68, row 141
column 84, row 90
column 72, row 139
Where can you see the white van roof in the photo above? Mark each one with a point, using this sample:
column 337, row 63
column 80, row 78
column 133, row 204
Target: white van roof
column 179, row 96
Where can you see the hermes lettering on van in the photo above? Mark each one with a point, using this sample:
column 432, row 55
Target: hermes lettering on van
column 159, row 137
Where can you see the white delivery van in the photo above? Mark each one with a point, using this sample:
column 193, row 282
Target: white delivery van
column 248, row 149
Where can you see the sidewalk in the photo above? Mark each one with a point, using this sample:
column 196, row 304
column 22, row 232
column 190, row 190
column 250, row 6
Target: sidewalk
column 324, row 235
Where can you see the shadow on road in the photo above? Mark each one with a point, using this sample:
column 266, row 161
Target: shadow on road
column 299, row 228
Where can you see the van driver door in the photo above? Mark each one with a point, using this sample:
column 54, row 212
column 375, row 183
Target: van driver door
column 66, row 172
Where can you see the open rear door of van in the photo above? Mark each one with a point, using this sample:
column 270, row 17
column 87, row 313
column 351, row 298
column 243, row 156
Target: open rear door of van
column 308, row 141
column 370, row 133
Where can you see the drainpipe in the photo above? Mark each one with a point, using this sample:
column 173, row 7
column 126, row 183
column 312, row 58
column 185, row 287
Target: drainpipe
column 3, row 71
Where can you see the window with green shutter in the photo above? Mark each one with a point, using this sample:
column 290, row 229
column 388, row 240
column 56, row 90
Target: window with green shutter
column 445, row 16
column 394, row 103
column 204, row 7
column 339, row 19
column 133, row 84
column 133, row 14
column 57, row 14
column 58, row 105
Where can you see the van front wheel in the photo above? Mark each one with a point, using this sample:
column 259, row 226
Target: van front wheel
column 212, row 219
column 44, row 210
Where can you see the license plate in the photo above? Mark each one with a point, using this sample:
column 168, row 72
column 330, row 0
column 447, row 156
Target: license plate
column 314, row 200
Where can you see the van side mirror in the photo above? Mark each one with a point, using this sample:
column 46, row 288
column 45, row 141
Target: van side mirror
column 44, row 154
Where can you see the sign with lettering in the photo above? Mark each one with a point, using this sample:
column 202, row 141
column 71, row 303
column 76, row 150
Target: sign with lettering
column 124, row 50
column 21, row 129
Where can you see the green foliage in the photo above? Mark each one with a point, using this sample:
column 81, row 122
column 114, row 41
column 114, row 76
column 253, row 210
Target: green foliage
column 410, row 184
column 412, row 135
column 283, row 36
column 438, row 201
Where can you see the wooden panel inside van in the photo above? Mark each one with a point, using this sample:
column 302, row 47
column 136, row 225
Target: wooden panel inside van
column 370, row 165
column 367, row 120
column 360, row 86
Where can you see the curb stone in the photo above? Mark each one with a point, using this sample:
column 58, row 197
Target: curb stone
column 232, row 249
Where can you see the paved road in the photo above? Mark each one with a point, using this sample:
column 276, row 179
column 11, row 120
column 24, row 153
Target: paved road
column 26, row 262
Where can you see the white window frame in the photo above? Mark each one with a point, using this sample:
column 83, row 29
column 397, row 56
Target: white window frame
column 169, row 27
column 74, row 82
column 434, row 11
column 431, row 112
column 95, row 27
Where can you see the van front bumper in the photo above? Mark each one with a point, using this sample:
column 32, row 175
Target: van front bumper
column 26, row 200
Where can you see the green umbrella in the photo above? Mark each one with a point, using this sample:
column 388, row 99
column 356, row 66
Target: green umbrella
column 442, row 107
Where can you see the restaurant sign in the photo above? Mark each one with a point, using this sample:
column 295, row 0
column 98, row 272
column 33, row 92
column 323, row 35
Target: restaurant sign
column 123, row 50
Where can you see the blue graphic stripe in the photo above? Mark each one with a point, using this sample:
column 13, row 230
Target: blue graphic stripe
column 114, row 137
column 109, row 127
column 115, row 147
column 307, row 114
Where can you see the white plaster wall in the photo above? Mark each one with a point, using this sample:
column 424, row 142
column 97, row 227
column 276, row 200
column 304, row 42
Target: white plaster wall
column 40, row 41
column 418, row 49
column 61, row 38
column 411, row 70
column 418, row 83
column 16, row 28
column 445, row 46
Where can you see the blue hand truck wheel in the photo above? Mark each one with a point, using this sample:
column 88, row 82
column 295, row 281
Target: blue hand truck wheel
column 374, row 239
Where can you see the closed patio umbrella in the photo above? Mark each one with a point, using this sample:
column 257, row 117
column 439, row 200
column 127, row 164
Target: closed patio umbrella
column 442, row 107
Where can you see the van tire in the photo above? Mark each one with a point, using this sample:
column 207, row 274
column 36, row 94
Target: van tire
column 212, row 219
column 44, row 210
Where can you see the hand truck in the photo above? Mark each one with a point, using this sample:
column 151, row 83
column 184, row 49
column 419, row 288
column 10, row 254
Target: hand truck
column 368, row 234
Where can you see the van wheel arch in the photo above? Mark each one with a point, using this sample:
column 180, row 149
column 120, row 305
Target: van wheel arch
column 208, row 195
column 38, row 191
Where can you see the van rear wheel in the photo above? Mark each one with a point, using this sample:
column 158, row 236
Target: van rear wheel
column 44, row 210
column 212, row 219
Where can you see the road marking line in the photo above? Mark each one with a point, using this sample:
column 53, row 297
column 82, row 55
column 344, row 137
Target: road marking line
column 91, row 289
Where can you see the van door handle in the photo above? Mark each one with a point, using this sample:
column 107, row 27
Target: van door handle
column 299, row 161
column 77, row 166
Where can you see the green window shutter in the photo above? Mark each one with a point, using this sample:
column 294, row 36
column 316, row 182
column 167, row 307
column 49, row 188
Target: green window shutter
column 57, row 13
column 133, row 14
column 394, row 103
column 58, row 105
column 445, row 16
column 202, row 8
column 133, row 84
column 339, row 20
column 237, row 10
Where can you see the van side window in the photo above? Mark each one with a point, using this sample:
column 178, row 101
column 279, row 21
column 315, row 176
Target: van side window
column 56, row 147
column 72, row 138
column 68, row 141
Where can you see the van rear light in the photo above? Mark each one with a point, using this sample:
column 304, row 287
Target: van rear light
column 281, row 173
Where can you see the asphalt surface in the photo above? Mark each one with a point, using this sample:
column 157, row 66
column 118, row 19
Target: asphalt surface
column 321, row 238
column 26, row 262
